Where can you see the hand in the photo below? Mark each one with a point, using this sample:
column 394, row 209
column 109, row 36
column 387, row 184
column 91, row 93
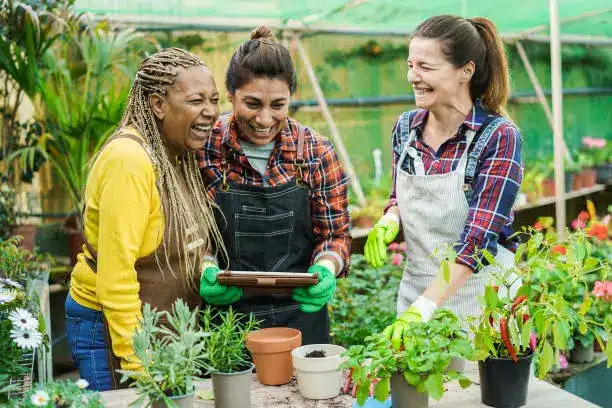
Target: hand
column 420, row 311
column 314, row 297
column 383, row 233
column 215, row 293
column 395, row 331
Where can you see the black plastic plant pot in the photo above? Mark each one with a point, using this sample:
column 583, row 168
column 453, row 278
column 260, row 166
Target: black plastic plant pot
column 504, row 383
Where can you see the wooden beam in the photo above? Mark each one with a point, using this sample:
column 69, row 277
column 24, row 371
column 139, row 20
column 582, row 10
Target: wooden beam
column 557, row 111
column 335, row 135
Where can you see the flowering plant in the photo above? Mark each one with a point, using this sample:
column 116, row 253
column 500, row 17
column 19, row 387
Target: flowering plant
column 541, row 317
column 22, row 329
column 599, row 149
column 58, row 394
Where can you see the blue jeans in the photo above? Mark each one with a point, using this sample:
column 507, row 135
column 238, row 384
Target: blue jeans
column 87, row 338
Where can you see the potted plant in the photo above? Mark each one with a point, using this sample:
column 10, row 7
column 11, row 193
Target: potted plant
column 600, row 151
column 22, row 328
column 587, row 174
column 57, row 394
column 8, row 217
column 418, row 370
column 537, row 323
column 572, row 181
column 227, row 358
column 271, row 351
column 170, row 347
column 318, row 370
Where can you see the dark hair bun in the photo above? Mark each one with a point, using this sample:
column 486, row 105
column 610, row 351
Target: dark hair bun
column 262, row 32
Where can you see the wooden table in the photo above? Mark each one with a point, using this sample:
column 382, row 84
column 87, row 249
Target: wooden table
column 541, row 395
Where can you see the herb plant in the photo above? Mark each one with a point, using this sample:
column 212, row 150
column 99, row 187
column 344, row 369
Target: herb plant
column 225, row 342
column 170, row 347
column 423, row 361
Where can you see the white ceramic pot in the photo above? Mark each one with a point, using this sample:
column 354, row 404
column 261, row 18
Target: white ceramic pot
column 318, row 377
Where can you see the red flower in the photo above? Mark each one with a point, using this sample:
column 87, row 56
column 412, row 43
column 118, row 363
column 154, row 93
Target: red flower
column 538, row 226
column 598, row 231
column 583, row 216
column 559, row 249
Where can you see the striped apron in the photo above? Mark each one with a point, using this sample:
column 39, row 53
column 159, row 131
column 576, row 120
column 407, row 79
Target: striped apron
column 433, row 210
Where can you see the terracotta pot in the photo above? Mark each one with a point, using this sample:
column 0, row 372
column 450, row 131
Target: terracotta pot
column 28, row 232
column 271, row 351
column 589, row 178
column 75, row 238
column 364, row 221
column 577, row 181
column 549, row 187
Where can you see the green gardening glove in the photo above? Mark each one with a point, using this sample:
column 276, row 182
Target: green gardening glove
column 383, row 233
column 314, row 297
column 215, row 293
column 420, row 311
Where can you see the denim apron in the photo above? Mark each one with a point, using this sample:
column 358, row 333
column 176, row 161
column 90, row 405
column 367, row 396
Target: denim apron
column 270, row 229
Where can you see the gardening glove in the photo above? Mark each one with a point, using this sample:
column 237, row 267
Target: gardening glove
column 420, row 311
column 215, row 293
column 383, row 233
column 314, row 297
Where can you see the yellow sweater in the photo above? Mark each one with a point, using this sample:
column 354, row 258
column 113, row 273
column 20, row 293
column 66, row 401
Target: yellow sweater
column 123, row 222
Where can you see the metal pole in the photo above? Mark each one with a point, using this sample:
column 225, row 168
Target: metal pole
column 335, row 135
column 557, row 110
column 539, row 92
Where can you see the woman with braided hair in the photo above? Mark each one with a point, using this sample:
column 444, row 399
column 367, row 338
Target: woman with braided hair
column 147, row 221
column 281, row 191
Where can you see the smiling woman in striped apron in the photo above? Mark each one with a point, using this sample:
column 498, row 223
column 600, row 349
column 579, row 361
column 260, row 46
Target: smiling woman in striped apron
column 457, row 169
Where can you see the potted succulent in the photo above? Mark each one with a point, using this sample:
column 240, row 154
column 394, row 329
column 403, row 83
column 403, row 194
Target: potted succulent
column 418, row 370
column 57, row 394
column 318, row 370
column 536, row 323
column 227, row 358
column 271, row 351
column 170, row 347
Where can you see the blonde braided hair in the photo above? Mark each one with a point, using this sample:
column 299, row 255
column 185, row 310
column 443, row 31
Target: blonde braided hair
column 155, row 75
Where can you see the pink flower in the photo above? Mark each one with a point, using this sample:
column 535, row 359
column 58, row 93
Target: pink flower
column 563, row 362
column 397, row 259
column 533, row 341
column 593, row 143
column 402, row 246
column 578, row 224
column 603, row 290
column 393, row 247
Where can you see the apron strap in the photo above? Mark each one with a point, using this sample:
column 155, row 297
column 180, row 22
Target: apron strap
column 482, row 138
column 299, row 163
column 405, row 121
column 93, row 260
column 225, row 124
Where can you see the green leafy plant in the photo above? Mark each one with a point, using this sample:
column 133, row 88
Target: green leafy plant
column 19, row 264
column 225, row 342
column 170, row 347
column 83, row 95
column 22, row 328
column 364, row 303
column 423, row 361
column 540, row 318
column 8, row 201
column 60, row 394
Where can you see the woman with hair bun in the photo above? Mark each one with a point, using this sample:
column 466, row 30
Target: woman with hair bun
column 281, row 191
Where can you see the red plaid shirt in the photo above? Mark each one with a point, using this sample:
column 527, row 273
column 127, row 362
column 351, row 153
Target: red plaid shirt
column 328, row 184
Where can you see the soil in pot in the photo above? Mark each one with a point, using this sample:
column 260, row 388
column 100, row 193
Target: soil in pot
column 318, row 377
column 581, row 354
column 316, row 354
column 405, row 395
column 504, row 383
column 181, row 401
column 232, row 390
column 271, row 352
